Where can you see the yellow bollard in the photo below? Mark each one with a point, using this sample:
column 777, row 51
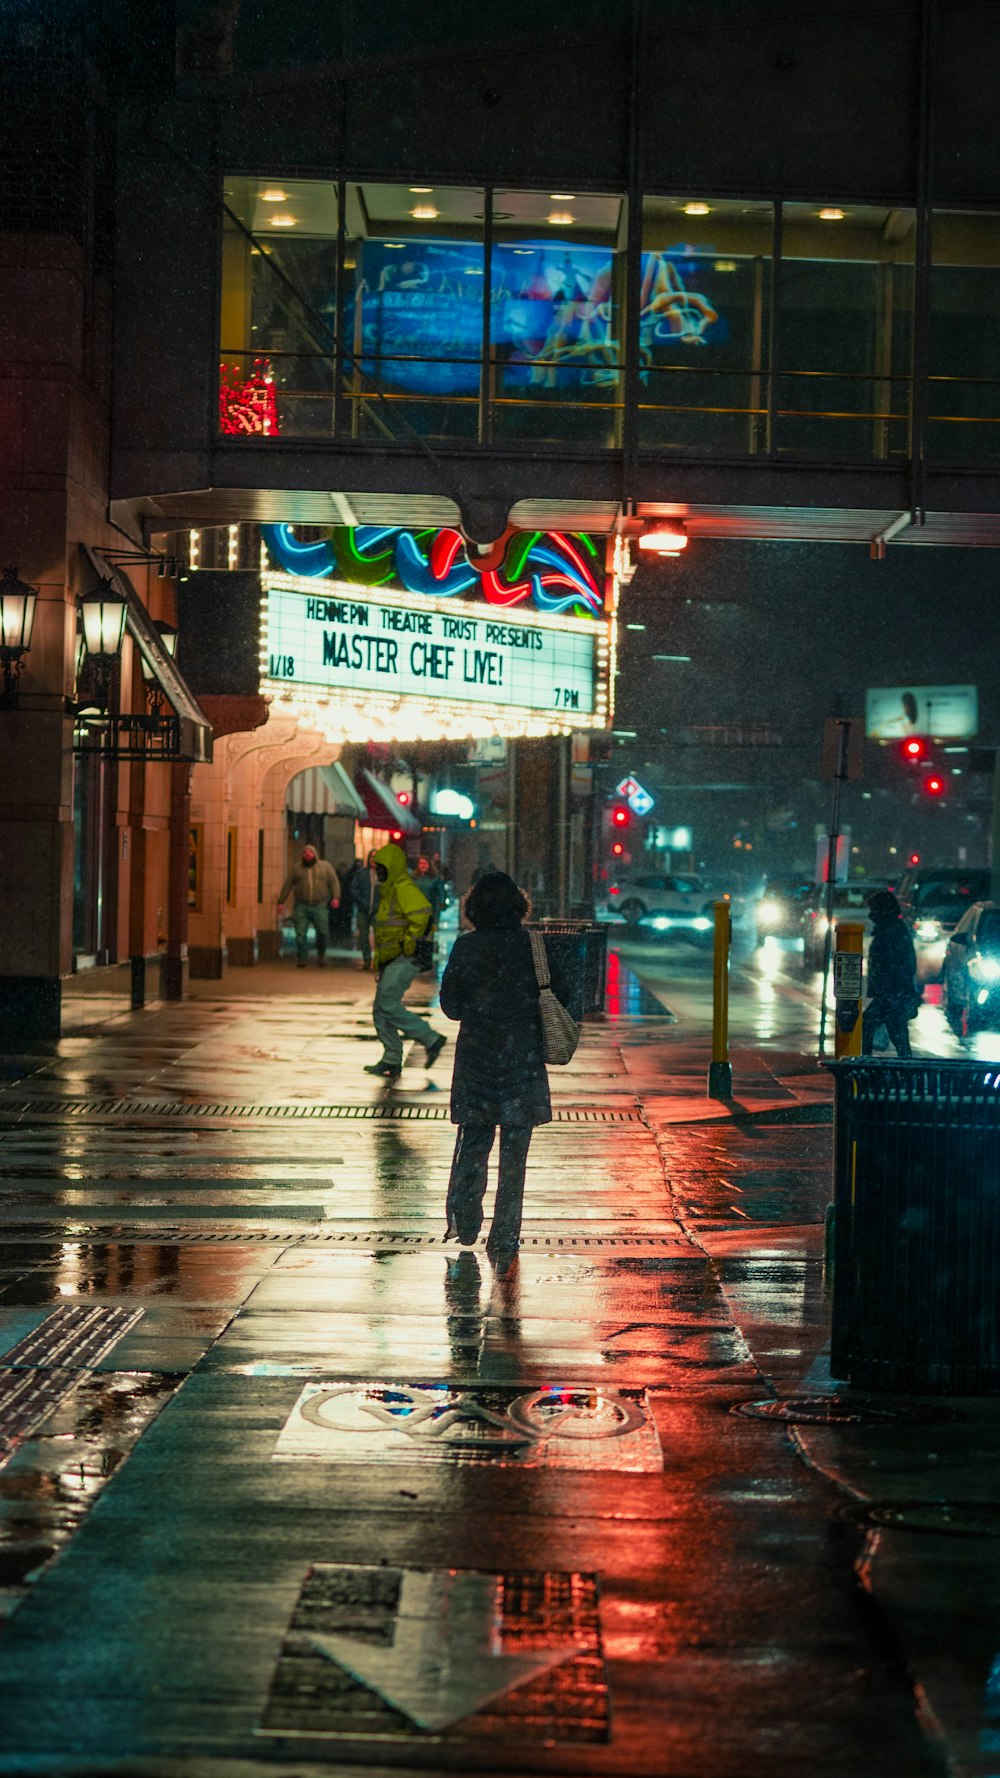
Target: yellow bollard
column 720, row 1073
column 848, row 966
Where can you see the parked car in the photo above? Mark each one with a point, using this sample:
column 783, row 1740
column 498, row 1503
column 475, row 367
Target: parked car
column 972, row 971
column 663, row 903
column 850, row 902
column 933, row 902
column 778, row 911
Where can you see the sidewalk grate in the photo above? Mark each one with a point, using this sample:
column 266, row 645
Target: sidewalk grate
column 47, row 1364
column 294, row 1235
column 41, row 1109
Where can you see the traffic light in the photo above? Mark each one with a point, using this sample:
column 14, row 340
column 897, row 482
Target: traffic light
column 620, row 816
column 913, row 750
column 617, row 849
column 935, row 784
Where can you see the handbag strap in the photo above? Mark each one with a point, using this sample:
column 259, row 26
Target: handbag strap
column 540, row 960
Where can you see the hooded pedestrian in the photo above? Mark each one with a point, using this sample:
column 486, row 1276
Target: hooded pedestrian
column 892, row 967
column 314, row 888
column 401, row 918
column 490, row 985
column 364, row 898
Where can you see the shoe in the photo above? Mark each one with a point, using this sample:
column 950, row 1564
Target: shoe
column 384, row 1069
column 301, row 963
column 321, row 963
column 434, row 1049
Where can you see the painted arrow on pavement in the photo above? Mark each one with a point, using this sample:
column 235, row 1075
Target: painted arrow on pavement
column 447, row 1658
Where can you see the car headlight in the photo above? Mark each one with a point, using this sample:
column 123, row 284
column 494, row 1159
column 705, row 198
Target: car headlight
column 769, row 912
column 928, row 930
column 661, row 922
column 985, row 969
column 702, row 924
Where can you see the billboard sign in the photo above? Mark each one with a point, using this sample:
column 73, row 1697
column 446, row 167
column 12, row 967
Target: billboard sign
column 947, row 712
column 339, row 639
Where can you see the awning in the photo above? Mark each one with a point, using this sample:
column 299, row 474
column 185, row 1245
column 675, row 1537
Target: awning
column 324, row 790
column 185, row 736
column 381, row 807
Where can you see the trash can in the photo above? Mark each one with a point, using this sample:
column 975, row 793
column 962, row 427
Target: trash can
column 579, row 950
column 916, row 1282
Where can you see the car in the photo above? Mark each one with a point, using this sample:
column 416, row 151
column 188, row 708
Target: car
column 934, row 901
column 850, row 902
column 778, row 911
column 661, row 903
column 971, row 973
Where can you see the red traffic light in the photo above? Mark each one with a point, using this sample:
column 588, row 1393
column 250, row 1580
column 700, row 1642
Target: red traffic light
column 403, row 796
column 620, row 817
column 914, row 748
column 914, row 857
column 934, row 785
column 618, row 848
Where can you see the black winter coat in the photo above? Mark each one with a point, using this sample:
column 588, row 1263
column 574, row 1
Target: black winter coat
column 892, row 964
column 490, row 986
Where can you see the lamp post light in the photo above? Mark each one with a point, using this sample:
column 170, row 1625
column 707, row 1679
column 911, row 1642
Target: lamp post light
column 17, row 615
column 103, row 614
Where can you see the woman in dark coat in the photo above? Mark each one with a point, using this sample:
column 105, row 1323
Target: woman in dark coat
column 892, row 967
column 499, row 1077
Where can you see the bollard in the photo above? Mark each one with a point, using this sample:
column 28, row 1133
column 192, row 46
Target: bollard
column 848, row 965
column 720, row 1073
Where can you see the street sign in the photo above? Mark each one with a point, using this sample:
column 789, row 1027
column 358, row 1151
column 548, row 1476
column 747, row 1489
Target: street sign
column 840, row 760
column 639, row 800
column 397, row 1655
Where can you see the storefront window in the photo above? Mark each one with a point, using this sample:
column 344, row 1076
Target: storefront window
column 963, row 405
column 90, row 857
column 412, row 321
column 556, row 307
column 278, row 308
column 842, row 383
column 704, row 324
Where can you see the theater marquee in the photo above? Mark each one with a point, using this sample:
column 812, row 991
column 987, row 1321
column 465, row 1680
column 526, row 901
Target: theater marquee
column 406, row 667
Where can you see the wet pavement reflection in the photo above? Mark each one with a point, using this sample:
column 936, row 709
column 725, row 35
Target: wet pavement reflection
column 329, row 1425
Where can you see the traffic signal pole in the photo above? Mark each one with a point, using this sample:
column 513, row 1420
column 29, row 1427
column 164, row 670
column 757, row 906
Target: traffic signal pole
column 839, row 777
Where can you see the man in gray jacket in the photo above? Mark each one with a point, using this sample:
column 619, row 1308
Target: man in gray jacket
column 314, row 888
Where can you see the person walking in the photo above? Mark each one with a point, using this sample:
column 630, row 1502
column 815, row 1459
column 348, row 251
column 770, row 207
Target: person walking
column 892, row 967
column 314, row 888
column 431, row 883
column 364, row 897
column 401, row 919
column 491, row 987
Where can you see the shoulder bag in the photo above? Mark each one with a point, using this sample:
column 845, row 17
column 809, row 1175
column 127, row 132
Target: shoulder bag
column 560, row 1033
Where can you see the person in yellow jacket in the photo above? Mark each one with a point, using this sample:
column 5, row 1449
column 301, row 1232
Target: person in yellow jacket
column 402, row 914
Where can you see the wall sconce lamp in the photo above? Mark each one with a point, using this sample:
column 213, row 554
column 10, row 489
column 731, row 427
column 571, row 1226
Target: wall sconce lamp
column 103, row 614
column 17, row 615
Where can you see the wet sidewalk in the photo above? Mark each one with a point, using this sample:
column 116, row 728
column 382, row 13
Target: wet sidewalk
column 287, row 1483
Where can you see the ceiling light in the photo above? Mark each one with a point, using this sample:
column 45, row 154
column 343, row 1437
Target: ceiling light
column 664, row 540
column 425, row 213
column 283, row 220
column 831, row 215
column 559, row 217
column 563, row 197
column 394, row 246
column 417, row 189
column 273, row 195
column 696, row 209
column 522, row 249
column 725, row 265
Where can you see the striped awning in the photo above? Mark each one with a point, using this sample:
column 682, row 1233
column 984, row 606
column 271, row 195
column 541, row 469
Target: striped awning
column 324, row 790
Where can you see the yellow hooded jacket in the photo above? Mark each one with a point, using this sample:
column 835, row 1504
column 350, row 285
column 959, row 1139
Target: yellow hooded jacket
column 402, row 912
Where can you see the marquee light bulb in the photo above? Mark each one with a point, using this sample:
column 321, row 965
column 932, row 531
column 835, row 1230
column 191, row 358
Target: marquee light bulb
column 664, row 540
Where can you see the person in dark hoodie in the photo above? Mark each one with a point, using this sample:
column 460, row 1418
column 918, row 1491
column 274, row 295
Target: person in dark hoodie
column 499, row 1080
column 892, row 967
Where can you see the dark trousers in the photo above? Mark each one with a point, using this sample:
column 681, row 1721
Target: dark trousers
column 890, row 1014
column 467, row 1185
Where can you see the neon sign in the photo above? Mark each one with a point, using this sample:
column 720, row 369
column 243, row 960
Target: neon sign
column 554, row 570
column 247, row 404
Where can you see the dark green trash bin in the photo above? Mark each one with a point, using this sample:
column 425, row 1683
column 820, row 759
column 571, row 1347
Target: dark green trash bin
column 579, row 950
column 916, row 1284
